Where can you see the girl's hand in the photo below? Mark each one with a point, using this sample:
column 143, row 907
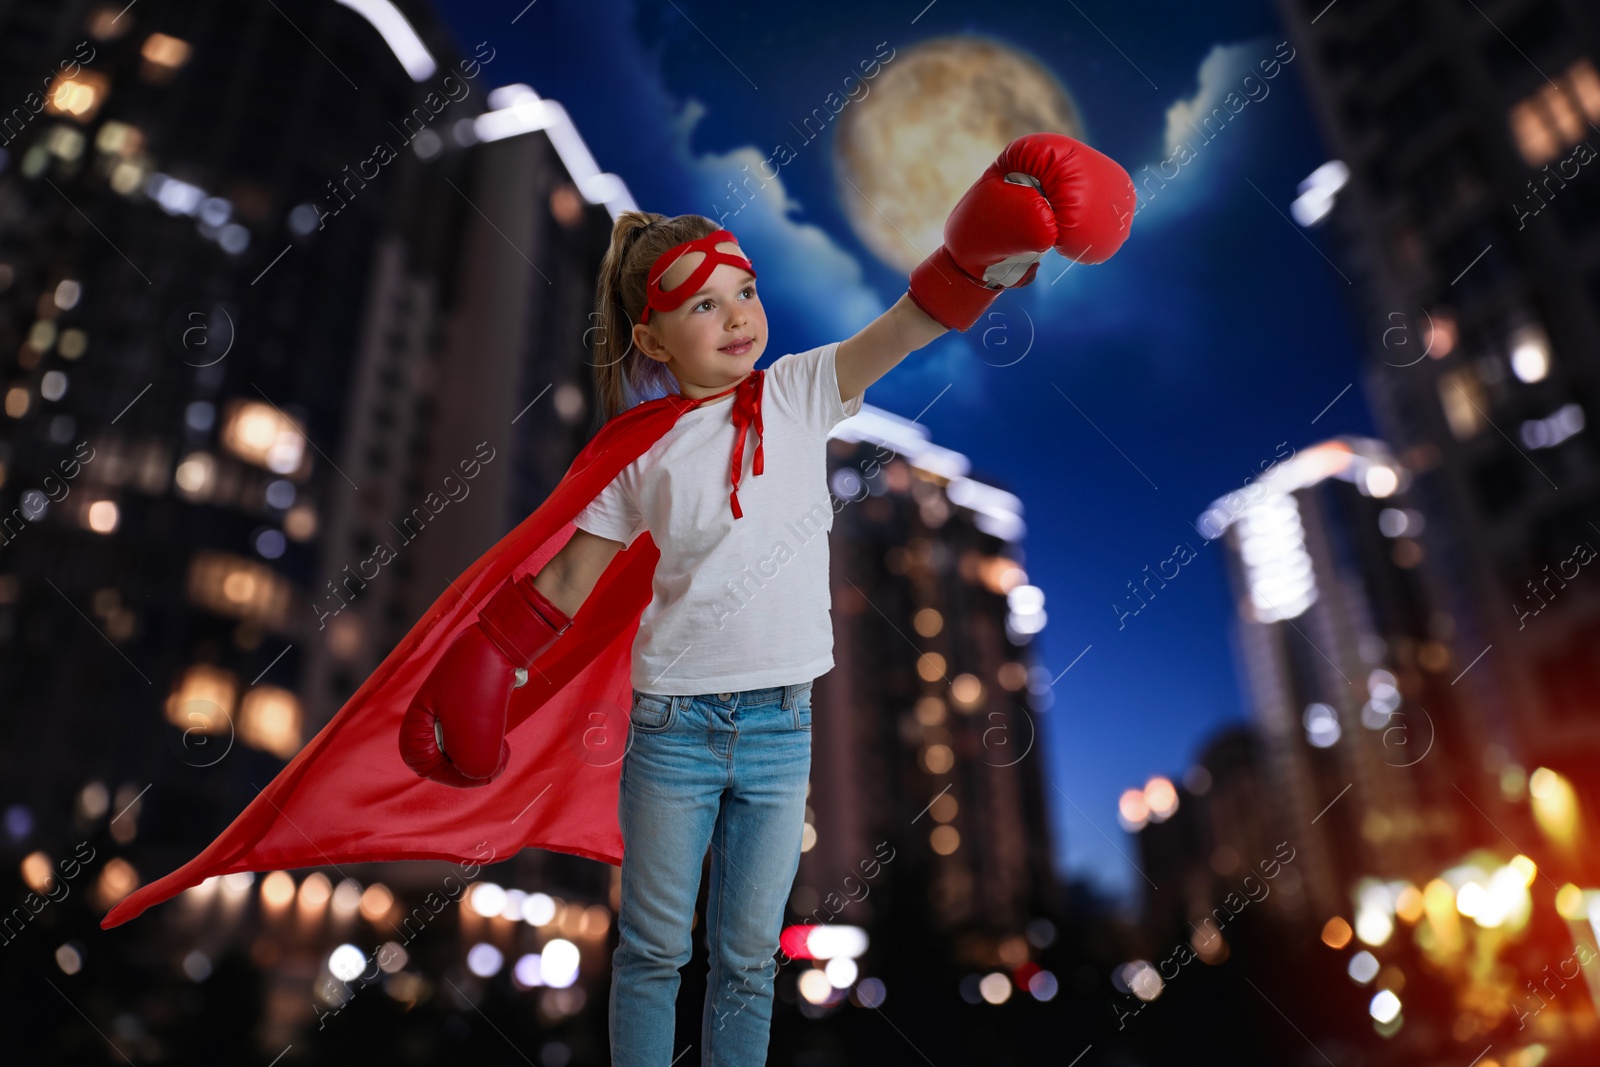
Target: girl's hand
column 1045, row 190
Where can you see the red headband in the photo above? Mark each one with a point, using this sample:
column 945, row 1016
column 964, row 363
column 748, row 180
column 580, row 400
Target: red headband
column 662, row 300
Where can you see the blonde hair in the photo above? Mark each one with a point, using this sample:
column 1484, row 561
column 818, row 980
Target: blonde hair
column 624, row 375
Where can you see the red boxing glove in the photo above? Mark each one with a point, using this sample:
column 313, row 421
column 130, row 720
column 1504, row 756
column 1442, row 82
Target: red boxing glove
column 461, row 708
column 1044, row 190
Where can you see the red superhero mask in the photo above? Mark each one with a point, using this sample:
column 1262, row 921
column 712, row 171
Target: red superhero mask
column 747, row 405
column 659, row 299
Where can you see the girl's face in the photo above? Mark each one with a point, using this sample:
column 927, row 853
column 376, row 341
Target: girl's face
column 713, row 339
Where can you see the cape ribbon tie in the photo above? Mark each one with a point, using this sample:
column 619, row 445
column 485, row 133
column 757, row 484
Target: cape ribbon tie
column 746, row 412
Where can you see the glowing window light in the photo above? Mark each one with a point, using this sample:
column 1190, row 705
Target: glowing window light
column 196, row 475
column 1472, row 900
column 1322, row 726
column 484, row 960
column 1380, row 481
column 944, row 840
column 230, row 585
column 165, row 51
column 269, row 719
column 346, row 963
column 1363, row 967
column 526, row 970
column 1373, row 926
column 172, row 195
column 1530, row 354
column 1336, row 932
column 202, row 700
column 398, row 34
column 841, row 972
column 871, row 993
column 1384, row 1007
column 1570, row 902
column 995, row 987
column 814, row 986
column 392, row 957
column 538, row 909
column 488, row 899
column 346, row 897
column 237, row 884
column 117, row 880
column 315, row 892
column 259, row 433
column 376, row 902
column 36, row 871
column 1461, row 395
column 277, row 890
column 1506, row 901
column 1318, row 192
column 1162, row 798
column 967, row 692
column 77, row 97
column 1555, row 805
column 1133, row 810
column 938, row 759
column 596, row 920
column 102, row 516
column 1140, row 979
column 558, row 963
column 1277, row 567
column 1408, row 904
column 1554, row 428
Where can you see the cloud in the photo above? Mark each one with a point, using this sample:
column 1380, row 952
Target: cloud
column 801, row 268
column 1204, row 130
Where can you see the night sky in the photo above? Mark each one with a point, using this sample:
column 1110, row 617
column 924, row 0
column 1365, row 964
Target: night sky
column 1156, row 382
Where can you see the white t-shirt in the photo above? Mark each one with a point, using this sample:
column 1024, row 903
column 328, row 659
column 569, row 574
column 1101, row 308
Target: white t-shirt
column 737, row 603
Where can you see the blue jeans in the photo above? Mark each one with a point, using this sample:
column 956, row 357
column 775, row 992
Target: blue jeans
column 728, row 770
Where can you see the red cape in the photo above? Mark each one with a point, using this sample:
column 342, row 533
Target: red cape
column 347, row 797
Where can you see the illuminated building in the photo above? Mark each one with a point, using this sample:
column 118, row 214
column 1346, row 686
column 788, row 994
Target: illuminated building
column 927, row 732
column 239, row 341
column 1466, row 199
column 1362, row 740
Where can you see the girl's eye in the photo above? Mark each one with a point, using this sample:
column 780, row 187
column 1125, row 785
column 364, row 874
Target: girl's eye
column 748, row 290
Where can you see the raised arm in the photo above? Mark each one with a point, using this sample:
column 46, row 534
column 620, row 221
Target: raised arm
column 1044, row 191
column 882, row 343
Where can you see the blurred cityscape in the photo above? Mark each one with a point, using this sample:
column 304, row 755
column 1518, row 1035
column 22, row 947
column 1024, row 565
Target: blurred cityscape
column 247, row 441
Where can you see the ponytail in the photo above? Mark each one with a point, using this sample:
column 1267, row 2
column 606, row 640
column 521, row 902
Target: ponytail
column 623, row 375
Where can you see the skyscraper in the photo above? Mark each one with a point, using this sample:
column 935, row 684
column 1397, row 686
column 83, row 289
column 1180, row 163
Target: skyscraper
column 1470, row 219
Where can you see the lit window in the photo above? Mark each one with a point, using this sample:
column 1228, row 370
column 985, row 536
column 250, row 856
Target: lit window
column 77, row 97
column 1461, row 397
column 261, row 434
column 269, row 719
column 1555, row 117
column 165, row 51
column 202, row 700
column 240, row 588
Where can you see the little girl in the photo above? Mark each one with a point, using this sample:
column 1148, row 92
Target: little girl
column 726, row 472
column 738, row 626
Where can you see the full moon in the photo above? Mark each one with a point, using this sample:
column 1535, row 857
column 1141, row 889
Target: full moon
column 937, row 115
